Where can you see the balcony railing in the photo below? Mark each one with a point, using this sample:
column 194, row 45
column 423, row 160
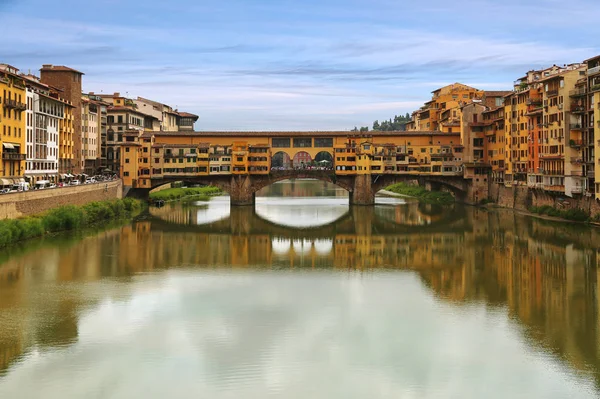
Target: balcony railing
column 576, row 160
column 575, row 126
column 595, row 87
column 579, row 109
column 578, row 92
column 575, row 143
column 11, row 156
column 593, row 71
column 9, row 103
column 552, row 93
column 577, row 173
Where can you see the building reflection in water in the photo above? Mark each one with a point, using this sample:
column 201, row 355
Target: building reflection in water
column 544, row 274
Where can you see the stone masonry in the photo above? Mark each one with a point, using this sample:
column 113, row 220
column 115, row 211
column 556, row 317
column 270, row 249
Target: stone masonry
column 28, row 203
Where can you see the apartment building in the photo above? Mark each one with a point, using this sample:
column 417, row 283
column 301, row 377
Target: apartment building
column 444, row 98
column 90, row 129
column 12, row 125
column 591, row 121
column 44, row 114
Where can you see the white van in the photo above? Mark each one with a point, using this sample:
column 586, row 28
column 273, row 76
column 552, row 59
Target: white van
column 20, row 186
column 42, row 184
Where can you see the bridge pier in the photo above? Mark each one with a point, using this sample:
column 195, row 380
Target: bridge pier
column 240, row 191
column 362, row 193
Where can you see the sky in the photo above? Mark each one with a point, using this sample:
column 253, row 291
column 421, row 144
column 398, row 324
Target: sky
column 296, row 65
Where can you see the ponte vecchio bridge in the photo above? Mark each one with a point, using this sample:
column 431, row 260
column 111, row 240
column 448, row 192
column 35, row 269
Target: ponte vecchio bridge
column 241, row 163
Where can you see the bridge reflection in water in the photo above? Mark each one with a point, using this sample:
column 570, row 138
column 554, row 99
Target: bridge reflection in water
column 543, row 274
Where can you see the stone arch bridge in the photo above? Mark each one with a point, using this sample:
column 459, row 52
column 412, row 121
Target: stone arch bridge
column 361, row 188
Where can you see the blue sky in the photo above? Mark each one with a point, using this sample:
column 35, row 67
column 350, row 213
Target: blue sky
column 307, row 65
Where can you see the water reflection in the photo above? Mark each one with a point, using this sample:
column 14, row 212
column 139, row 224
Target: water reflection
column 493, row 304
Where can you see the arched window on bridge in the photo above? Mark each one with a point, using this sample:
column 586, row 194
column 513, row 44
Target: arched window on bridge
column 281, row 160
column 324, row 158
column 302, row 158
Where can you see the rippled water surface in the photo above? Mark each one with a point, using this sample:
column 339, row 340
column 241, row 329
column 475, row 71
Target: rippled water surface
column 303, row 296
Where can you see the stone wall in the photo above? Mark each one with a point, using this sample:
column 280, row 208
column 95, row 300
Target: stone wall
column 522, row 198
column 37, row 201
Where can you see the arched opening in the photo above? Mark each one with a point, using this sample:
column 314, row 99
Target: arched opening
column 301, row 159
column 324, row 159
column 281, row 160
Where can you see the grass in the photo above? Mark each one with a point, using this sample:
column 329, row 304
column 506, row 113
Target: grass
column 575, row 214
column 172, row 194
column 66, row 218
column 428, row 197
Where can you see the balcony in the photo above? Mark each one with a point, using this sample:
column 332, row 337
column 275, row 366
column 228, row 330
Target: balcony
column 591, row 173
column 552, row 93
column 552, row 173
column 577, row 190
column 578, row 92
column 575, row 126
column 578, row 173
column 576, row 160
column 593, row 71
column 13, row 156
column 578, row 109
column 595, row 87
column 8, row 103
column 575, row 143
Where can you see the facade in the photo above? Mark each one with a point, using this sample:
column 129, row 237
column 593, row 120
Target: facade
column 158, row 155
column 90, row 129
column 68, row 80
column 44, row 115
column 12, row 125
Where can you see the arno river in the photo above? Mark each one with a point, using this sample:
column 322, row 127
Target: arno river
column 305, row 297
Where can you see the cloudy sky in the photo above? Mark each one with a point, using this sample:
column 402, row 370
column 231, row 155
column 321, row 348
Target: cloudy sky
column 282, row 64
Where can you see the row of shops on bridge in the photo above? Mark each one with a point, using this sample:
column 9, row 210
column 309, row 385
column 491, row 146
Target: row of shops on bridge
column 153, row 156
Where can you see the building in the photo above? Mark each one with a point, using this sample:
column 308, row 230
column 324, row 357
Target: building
column 69, row 81
column 44, row 115
column 591, row 121
column 90, row 129
column 12, row 125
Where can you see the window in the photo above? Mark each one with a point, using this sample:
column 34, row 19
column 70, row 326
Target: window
column 281, row 142
column 302, row 142
column 126, row 149
column 323, row 142
column 126, row 174
column 240, row 159
column 126, row 160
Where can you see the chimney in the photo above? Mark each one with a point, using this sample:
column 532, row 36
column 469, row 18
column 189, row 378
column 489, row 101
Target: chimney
column 48, row 66
column 117, row 94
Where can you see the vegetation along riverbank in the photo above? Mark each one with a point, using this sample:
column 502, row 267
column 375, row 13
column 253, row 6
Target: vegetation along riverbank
column 66, row 218
column 173, row 194
column 428, row 197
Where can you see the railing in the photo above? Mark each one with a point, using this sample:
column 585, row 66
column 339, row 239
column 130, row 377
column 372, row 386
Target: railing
column 552, row 93
column 553, row 173
column 9, row 103
column 577, row 173
column 577, row 190
column 578, row 109
column 575, row 126
column 575, row 143
column 576, row 160
column 595, row 87
column 593, row 70
column 578, row 92
column 11, row 156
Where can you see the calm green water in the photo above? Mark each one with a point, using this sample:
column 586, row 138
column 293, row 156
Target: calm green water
column 305, row 297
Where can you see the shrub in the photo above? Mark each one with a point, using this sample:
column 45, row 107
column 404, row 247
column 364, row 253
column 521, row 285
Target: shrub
column 429, row 197
column 64, row 218
column 178, row 193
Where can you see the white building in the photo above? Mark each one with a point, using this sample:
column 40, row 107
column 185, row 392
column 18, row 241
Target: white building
column 90, row 128
column 43, row 113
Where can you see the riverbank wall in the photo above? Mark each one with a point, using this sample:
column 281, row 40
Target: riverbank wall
column 34, row 202
column 522, row 198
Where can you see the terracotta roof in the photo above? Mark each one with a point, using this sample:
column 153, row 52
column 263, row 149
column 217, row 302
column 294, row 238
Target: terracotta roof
column 128, row 109
column 593, row 58
column 60, row 68
column 373, row 133
column 187, row 115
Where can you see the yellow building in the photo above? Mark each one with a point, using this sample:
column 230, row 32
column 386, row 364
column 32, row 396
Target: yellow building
column 493, row 130
column 433, row 116
column 12, row 125
column 596, row 107
column 65, row 143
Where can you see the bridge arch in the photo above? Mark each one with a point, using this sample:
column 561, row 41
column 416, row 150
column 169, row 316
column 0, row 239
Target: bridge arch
column 301, row 158
column 281, row 159
column 324, row 156
column 455, row 184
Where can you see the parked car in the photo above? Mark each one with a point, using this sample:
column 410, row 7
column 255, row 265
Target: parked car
column 90, row 181
column 5, row 190
column 75, row 183
column 18, row 187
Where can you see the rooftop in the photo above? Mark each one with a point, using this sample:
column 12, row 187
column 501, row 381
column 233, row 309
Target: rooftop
column 59, row 68
column 373, row 133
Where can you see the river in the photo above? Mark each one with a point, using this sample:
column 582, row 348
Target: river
column 303, row 296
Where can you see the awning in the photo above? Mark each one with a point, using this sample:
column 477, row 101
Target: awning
column 6, row 182
column 8, row 145
column 63, row 176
